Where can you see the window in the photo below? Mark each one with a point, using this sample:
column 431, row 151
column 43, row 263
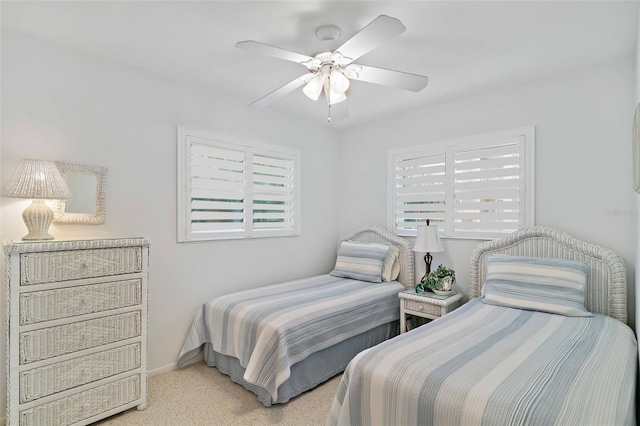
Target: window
column 479, row 187
column 235, row 189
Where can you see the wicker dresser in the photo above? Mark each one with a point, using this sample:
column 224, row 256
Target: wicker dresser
column 77, row 329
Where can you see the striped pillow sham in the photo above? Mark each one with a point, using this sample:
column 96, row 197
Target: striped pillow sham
column 550, row 285
column 360, row 261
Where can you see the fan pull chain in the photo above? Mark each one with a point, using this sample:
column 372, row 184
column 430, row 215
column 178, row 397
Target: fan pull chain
column 329, row 113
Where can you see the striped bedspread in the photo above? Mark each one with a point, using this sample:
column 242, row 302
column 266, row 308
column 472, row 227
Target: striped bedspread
column 492, row 365
column 272, row 328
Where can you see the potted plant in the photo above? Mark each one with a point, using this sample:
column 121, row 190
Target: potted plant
column 441, row 279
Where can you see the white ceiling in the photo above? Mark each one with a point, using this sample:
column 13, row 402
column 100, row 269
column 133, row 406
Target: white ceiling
column 463, row 47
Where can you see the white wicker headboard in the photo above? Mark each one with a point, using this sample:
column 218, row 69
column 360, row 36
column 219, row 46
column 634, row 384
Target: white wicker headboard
column 376, row 234
column 606, row 290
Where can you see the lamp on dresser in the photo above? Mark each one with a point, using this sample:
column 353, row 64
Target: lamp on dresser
column 427, row 241
column 38, row 180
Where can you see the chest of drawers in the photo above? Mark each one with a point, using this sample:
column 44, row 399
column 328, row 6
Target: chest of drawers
column 76, row 329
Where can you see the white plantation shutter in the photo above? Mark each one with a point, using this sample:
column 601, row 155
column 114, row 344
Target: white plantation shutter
column 489, row 187
column 217, row 193
column 234, row 190
column 480, row 187
column 419, row 183
column 274, row 193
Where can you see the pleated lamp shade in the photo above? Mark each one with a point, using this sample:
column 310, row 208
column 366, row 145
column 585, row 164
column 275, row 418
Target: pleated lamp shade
column 38, row 180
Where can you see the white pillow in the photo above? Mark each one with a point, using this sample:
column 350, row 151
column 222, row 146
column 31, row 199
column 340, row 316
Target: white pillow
column 395, row 271
column 391, row 267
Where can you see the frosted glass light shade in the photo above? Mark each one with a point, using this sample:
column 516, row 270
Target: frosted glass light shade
column 428, row 240
column 36, row 179
column 314, row 87
column 336, row 98
column 339, row 83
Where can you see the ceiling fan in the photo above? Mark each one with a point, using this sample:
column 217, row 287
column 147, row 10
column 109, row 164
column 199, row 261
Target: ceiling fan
column 330, row 72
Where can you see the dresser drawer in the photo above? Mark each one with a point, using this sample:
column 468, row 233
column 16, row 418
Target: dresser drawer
column 422, row 307
column 74, row 408
column 46, row 267
column 48, row 305
column 43, row 381
column 53, row 341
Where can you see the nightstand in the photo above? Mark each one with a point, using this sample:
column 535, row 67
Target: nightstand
column 425, row 305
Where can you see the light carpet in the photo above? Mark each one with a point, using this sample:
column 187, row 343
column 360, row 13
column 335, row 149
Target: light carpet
column 200, row 395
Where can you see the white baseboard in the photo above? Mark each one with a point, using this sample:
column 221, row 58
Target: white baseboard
column 163, row 369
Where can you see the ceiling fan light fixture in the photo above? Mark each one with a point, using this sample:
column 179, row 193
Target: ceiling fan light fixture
column 330, row 72
column 314, row 87
column 339, row 83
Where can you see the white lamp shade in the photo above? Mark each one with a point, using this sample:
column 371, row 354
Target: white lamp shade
column 339, row 83
column 336, row 98
column 36, row 179
column 314, row 87
column 428, row 240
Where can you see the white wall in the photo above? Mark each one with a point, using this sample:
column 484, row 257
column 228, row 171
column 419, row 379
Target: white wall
column 583, row 173
column 64, row 106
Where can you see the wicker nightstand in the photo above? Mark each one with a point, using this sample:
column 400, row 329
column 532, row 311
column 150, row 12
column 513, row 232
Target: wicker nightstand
column 425, row 305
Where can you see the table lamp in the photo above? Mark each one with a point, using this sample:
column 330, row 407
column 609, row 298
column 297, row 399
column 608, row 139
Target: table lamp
column 39, row 180
column 427, row 241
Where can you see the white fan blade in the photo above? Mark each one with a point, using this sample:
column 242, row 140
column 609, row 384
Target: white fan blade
column 398, row 79
column 282, row 91
column 378, row 31
column 265, row 49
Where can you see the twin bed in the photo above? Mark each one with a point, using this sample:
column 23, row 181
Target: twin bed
column 523, row 351
column 543, row 339
column 281, row 340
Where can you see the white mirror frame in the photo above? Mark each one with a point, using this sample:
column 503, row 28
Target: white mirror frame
column 97, row 218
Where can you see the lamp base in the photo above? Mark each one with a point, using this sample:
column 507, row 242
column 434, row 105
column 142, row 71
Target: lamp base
column 37, row 217
column 427, row 263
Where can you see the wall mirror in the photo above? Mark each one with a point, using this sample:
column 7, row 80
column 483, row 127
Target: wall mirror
column 88, row 184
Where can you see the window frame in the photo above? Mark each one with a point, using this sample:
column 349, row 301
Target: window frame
column 526, row 138
column 186, row 138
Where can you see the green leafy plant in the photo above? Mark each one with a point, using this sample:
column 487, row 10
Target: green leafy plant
column 435, row 279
